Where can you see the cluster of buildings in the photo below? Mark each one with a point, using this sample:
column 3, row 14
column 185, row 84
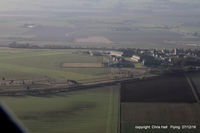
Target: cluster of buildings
column 165, row 56
column 115, row 58
column 151, row 57
column 104, row 52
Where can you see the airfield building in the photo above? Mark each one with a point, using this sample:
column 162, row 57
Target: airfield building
column 135, row 58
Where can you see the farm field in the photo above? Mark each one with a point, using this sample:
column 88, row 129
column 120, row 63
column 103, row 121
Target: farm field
column 138, row 114
column 88, row 111
column 89, row 25
column 160, row 89
column 18, row 64
column 24, row 69
column 82, row 65
column 80, row 23
column 196, row 80
column 161, row 101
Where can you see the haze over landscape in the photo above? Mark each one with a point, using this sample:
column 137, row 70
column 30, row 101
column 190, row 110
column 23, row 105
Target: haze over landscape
column 101, row 66
column 152, row 23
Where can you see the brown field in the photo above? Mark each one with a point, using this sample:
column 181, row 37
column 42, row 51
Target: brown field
column 85, row 65
column 94, row 39
column 195, row 79
column 164, row 100
column 159, row 114
column 170, row 88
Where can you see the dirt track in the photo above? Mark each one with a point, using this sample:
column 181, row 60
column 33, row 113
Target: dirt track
column 79, row 65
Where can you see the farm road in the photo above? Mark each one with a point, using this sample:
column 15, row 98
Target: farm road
column 193, row 89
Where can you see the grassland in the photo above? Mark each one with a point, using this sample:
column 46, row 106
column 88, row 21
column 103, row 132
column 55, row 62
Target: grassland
column 127, row 24
column 35, row 64
column 88, row 111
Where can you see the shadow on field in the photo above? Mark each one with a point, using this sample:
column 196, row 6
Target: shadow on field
column 58, row 114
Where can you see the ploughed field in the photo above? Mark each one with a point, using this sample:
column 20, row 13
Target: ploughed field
column 160, row 89
column 80, row 65
column 161, row 114
column 195, row 78
column 161, row 101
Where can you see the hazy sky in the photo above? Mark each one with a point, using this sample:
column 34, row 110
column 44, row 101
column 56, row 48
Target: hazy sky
column 6, row 5
column 45, row 4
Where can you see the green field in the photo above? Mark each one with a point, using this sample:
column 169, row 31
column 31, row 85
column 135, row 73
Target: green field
column 35, row 64
column 87, row 111
column 149, row 24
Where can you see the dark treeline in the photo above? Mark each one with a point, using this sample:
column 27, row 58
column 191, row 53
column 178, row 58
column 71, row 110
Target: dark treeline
column 189, row 61
column 52, row 46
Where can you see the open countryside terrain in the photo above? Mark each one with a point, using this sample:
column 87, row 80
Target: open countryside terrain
column 32, row 69
column 195, row 78
column 93, row 39
column 64, row 111
column 139, row 114
column 81, row 65
column 167, row 100
column 88, row 111
column 158, row 89
column 21, row 64
column 90, row 24
column 128, row 23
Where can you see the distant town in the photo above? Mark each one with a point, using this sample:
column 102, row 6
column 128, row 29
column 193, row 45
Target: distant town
column 187, row 59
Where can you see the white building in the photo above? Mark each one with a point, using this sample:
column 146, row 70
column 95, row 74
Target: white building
column 135, row 58
column 116, row 53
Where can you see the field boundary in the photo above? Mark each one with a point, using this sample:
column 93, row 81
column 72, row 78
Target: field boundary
column 82, row 65
column 63, row 89
column 110, row 110
column 193, row 88
column 119, row 111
